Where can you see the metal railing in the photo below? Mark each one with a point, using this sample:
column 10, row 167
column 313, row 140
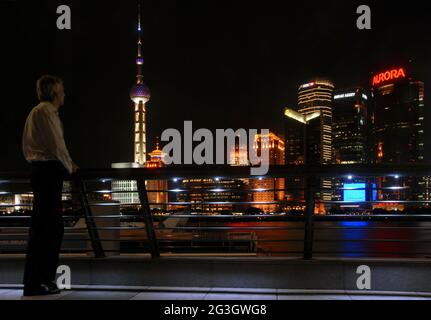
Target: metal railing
column 225, row 211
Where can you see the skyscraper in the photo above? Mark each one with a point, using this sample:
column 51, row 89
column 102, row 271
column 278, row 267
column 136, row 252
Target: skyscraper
column 397, row 118
column 210, row 196
column 349, row 126
column 270, row 199
column 157, row 195
column 303, row 137
column 317, row 96
column 349, row 136
column 397, row 121
column 140, row 95
column 304, row 145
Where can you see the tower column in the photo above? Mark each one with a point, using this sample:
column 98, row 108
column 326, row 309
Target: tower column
column 140, row 134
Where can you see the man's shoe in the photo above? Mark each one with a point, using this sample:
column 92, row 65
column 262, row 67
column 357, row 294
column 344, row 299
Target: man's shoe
column 53, row 286
column 41, row 290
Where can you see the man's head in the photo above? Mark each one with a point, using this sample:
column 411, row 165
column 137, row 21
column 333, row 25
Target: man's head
column 50, row 89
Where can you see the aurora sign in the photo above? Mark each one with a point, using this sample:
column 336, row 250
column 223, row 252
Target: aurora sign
column 389, row 75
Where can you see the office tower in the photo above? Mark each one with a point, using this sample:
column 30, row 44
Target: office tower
column 270, row 200
column 349, row 126
column 349, row 138
column 303, row 137
column 303, row 134
column 305, row 145
column 317, row 96
column 238, row 155
column 210, row 196
column 397, row 118
column 157, row 197
column 397, row 128
column 125, row 191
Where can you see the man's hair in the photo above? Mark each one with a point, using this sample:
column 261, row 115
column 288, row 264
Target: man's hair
column 45, row 87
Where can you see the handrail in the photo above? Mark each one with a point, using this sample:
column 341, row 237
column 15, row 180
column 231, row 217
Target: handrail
column 181, row 171
column 152, row 231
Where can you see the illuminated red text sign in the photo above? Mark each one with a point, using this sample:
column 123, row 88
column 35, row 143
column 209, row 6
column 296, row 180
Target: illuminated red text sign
column 388, row 75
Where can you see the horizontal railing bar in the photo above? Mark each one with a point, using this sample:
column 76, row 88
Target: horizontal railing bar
column 29, row 193
column 186, row 203
column 198, row 228
column 371, row 228
column 209, row 203
column 15, row 205
column 372, row 252
column 227, row 228
column 193, row 228
column 275, row 215
column 197, row 190
column 204, row 216
column 374, row 201
column 369, row 217
column 259, row 253
column 216, row 190
column 319, row 218
column 287, row 218
column 221, row 171
column 170, row 240
column 374, row 240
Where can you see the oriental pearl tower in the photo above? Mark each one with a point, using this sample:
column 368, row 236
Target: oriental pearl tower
column 140, row 95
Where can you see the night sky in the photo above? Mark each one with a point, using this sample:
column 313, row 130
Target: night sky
column 221, row 64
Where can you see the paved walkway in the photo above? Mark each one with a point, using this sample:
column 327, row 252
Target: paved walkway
column 165, row 293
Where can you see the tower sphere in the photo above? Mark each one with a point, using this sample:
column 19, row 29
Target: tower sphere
column 140, row 92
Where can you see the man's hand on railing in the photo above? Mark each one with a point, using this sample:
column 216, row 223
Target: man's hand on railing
column 75, row 168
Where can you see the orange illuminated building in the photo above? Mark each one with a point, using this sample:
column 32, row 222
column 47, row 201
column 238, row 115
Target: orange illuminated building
column 158, row 198
column 275, row 195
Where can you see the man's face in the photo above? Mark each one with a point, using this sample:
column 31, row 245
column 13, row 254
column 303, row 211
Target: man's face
column 59, row 90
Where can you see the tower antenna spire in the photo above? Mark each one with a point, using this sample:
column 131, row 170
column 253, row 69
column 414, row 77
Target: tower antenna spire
column 139, row 58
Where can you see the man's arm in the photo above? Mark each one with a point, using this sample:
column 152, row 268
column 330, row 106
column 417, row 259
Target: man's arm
column 53, row 137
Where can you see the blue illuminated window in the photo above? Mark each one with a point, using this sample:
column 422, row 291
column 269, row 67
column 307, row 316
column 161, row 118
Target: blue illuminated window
column 354, row 195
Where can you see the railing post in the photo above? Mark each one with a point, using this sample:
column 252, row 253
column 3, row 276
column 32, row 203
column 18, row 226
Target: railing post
column 91, row 225
column 146, row 211
column 310, row 189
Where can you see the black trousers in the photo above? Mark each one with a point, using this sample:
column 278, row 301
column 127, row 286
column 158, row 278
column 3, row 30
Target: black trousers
column 46, row 225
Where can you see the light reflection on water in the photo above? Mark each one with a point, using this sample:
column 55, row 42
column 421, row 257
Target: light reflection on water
column 350, row 238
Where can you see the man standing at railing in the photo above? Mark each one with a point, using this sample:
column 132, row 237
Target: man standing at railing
column 44, row 147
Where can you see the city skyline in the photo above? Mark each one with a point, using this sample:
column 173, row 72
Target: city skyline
column 230, row 74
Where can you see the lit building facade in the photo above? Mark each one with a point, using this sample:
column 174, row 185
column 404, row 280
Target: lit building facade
column 304, row 145
column 318, row 96
column 238, row 156
column 211, row 196
column 397, row 118
column 350, row 126
column 349, row 134
column 156, row 196
column 125, row 191
column 397, row 128
column 271, row 200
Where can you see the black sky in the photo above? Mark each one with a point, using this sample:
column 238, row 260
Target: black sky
column 221, row 64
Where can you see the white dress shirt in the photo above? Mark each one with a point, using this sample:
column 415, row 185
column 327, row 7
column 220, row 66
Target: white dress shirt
column 43, row 139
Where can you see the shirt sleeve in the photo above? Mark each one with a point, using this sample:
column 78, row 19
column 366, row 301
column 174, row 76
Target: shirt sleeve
column 50, row 128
